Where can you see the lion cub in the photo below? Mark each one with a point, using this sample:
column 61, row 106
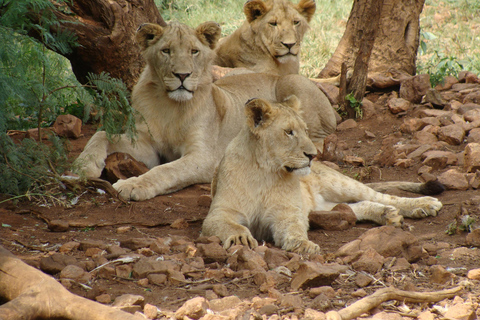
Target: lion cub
column 267, row 183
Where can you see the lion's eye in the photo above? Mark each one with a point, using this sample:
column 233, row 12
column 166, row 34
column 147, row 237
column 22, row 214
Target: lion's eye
column 166, row 51
column 273, row 23
column 195, row 51
column 289, row 132
column 296, row 22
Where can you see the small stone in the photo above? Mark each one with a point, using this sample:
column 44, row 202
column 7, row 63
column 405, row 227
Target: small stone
column 414, row 88
column 452, row 134
column 453, row 180
column 341, row 217
column 136, row 243
column 69, row 247
column 275, row 257
column 75, row 273
column 124, row 229
column 93, row 252
column 440, row 275
column 473, row 274
column 150, row 311
column 128, row 300
column 84, row 245
column 321, row 303
column 329, row 148
column 311, row 314
column 326, row 290
column 434, row 97
column 220, row 290
column 347, row 124
column 219, row 305
column 120, row 165
column 411, row 125
column 369, row 135
column 55, row 263
column 426, row 315
column 194, row 308
column 473, row 238
column 68, row 126
column 425, row 138
column 397, row 105
column 250, row 260
column 354, row 161
column 472, row 157
column 124, row 271
column 461, row 311
column 212, row 252
column 474, row 136
column 157, row 279
column 311, row 274
column 104, row 298
column 360, row 293
column 268, row 309
column 403, row 163
column 362, row 280
column 179, row 224
column 370, row 261
column 58, row 225
column 204, row 201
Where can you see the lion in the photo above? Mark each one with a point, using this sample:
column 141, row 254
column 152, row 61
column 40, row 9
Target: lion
column 186, row 121
column 267, row 183
column 270, row 39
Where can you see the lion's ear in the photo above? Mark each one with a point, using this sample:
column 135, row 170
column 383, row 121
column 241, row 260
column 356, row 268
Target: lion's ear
column 292, row 102
column 148, row 34
column 306, row 8
column 259, row 113
column 254, row 9
column 209, row 32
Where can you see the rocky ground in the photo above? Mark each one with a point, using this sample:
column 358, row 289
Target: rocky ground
column 148, row 258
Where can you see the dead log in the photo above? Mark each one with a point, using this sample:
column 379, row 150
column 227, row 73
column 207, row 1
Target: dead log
column 31, row 294
column 382, row 295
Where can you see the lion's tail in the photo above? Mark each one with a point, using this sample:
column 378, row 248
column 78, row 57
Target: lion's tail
column 428, row 188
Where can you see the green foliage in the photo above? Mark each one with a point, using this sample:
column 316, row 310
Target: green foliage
column 441, row 66
column 355, row 104
column 31, row 167
column 37, row 85
column 465, row 224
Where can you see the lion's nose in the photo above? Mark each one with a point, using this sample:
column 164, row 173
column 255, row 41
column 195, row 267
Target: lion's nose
column 288, row 45
column 181, row 76
column 309, row 156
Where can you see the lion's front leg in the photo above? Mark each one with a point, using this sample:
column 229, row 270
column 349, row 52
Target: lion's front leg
column 225, row 224
column 92, row 159
column 168, row 178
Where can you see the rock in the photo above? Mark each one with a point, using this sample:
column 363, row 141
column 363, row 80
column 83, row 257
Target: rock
column 473, row 274
column 397, row 105
column 325, row 290
column 312, row 274
column 472, row 115
column 440, row 275
column 474, row 180
column 414, row 88
column 451, row 157
column 453, row 180
column 369, row 261
column 401, row 264
column 472, row 97
column 461, row 311
column 426, row 315
column 473, row 238
column 204, row 200
column 145, row 266
column 341, row 217
column 124, row 229
column 388, row 241
column 212, row 252
column 250, row 260
column 452, row 134
column 403, row 163
column 120, row 165
column 386, row 316
column 194, row 308
column 472, row 157
column 311, row 314
column 136, row 243
column 72, row 272
column 58, row 225
column 157, row 279
column 436, row 161
column 85, row 244
column 347, row 124
column 179, row 224
column 123, row 270
column 226, row 303
column 69, row 247
column 150, row 311
column 268, row 309
column 354, row 161
column 104, row 298
column 220, row 289
column 360, row 293
column 419, row 151
column 434, row 113
column 425, row 138
column 68, row 126
column 56, row 263
column 433, row 96
column 447, row 83
column 330, row 91
column 321, row 303
column 275, row 257
column 329, row 148
column 474, row 136
column 411, row 125
column 362, row 280
column 129, row 303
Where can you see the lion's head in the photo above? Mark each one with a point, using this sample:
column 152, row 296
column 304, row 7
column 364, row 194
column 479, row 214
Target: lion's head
column 179, row 56
column 279, row 25
column 280, row 135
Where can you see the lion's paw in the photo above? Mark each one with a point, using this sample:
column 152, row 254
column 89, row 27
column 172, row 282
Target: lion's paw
column 134, row 189
column 393, row 217
column 425, row 207
column 240, row 239
column 91, row 168
column 302, row 247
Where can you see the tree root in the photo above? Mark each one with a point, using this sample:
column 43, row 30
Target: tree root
column 382, row 295
column 31, row 294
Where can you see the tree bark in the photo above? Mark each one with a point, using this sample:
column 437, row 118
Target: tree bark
column 395, row 48
column 105, row 31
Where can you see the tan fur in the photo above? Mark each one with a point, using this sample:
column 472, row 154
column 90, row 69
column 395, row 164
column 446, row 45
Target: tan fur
column 187, row 119
column 269, row 40
column 257, row 197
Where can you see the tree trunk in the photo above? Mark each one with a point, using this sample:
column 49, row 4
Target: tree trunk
column 395, row 49
column 105, row 31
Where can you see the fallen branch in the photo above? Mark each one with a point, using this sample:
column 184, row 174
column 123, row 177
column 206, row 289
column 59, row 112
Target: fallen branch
column 31, row 294
column 382, row 295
